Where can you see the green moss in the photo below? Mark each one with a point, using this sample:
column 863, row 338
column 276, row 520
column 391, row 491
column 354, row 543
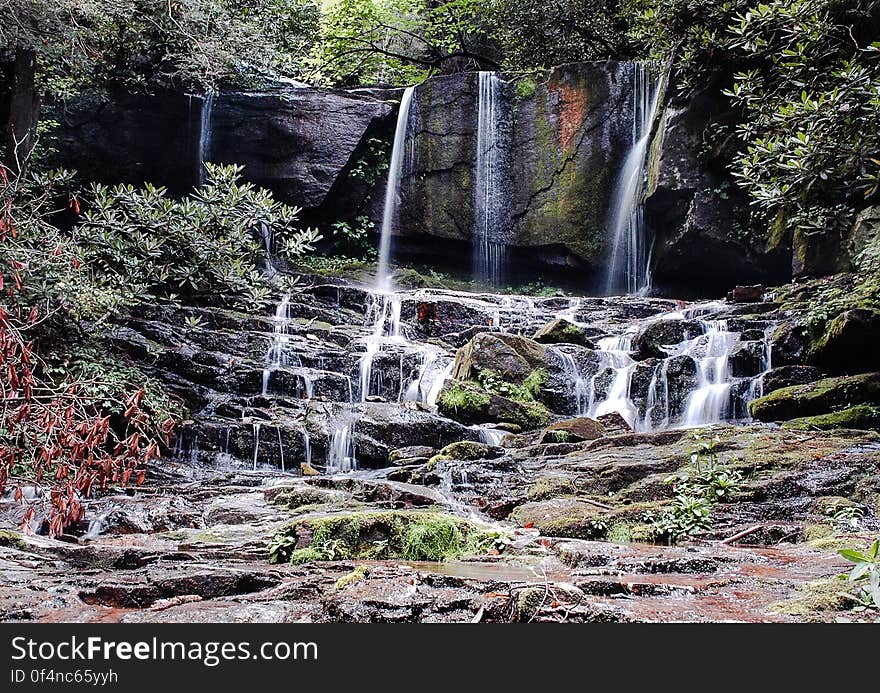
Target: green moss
column 406, row 534
column 532, row 415
column 817, row 598
column 817, row 532
column 464, row 450
column 862, row 417
column 463, row 400
column 619, row 533
column 558, row 437
column 356, row 575
column 550, row 487
column 823, row 396
column 533, row 382
column 432, row 538
column 526, row 87
column 12, row 539
column 528, row 602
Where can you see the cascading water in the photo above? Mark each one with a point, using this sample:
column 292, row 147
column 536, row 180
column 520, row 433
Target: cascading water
column 396, row 171
column 204, row 149
column 278, row 353
column 490, row 207
column 614, row 359
column 628, row 266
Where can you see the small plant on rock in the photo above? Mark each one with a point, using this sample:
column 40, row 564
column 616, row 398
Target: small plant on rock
column 866, row 573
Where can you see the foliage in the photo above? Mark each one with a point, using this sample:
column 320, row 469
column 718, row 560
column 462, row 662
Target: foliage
column 559, row 436
column 866, row 568
column 408, row 535
column 64, row 432
column 493, row 383
column 205, row 246
column 543, row 34
column 685, row 516
column 704, row 482
column 140, row 44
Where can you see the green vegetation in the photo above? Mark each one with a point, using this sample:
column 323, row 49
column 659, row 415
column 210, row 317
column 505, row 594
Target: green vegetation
column 697, row 487
column 527, row 392
column 405, row 534
column 462, row 399
column 865, row 574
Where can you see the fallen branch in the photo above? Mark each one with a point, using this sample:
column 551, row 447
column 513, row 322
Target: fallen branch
column 597, row 504
column 744, row 533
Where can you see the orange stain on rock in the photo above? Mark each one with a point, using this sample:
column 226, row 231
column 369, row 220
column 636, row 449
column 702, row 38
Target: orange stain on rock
column 572, row 110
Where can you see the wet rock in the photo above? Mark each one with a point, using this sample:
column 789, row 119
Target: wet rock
column 786, row 376
column 642, row 379
column 561, row 331
column 572, row 431
column 746, row 294
column 468, row 403
column 614, row 424
column 410, row 452
column 849, row 344
column 651, row 340
column 510, row 356
column 747, row 359
column 561, row 517
column 468, row 450
column 821, row 397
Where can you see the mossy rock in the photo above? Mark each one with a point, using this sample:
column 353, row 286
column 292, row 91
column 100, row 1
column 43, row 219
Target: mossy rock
column 468, row 403
column 575, row 430
column 511, row 356
column 469, row 450
column 562, row 517
column 849, row 343
column 561, row 331
column 397, row 534
column 549, row 487
column 817, row 600
column 822, row 397
column 356, row 575
column 860, row 417
column 12, row 539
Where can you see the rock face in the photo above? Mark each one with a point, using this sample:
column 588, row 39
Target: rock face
column 696, row 212
column 297, row 142
column 562, row 149
column 822, row 397
column 511, row 356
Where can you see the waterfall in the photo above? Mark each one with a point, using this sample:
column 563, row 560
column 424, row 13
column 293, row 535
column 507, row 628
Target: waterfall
column 630, row 254
column 489, row 203
column 392, row 191
column 277, row 354
column 384, row 311
column 614, row 357
column 341, row 455
column 710, row 402
column 204, row 149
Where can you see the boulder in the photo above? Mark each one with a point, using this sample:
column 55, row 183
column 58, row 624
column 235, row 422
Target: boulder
column 510, row 356
column 297, row 142
column 747, row 359
column 849, row 344
column 561, row 331
column 746, row 294
column 468, row 403
column 821, row 397
column 705, row 241
column 786, row 376
column 411, row 451
column 653, row 337
column 469, row 450
column 614, row 423
column 572, row 431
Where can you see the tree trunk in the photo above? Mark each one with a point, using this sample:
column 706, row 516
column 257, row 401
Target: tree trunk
column 19, row 109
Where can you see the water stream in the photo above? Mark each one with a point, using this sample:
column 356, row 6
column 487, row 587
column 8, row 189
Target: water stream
column 628, row 265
